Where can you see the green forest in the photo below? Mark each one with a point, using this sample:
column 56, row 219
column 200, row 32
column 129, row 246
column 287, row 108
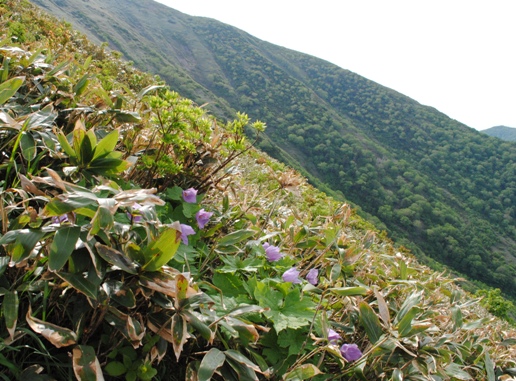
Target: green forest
column 442, row 189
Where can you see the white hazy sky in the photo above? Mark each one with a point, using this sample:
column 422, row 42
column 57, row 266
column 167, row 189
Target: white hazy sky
column 458, row 56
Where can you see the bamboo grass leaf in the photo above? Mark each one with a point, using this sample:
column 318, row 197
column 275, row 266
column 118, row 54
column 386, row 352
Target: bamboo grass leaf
column 210, row 363
column 62, row 246
column 370, row 322
column 86, row 366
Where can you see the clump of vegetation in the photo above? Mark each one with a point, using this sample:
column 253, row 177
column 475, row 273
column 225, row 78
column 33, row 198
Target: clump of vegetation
column 143, row 240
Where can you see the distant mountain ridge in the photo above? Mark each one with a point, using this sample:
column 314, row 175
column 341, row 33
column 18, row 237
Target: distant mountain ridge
column 438, row 186
column 502, row 132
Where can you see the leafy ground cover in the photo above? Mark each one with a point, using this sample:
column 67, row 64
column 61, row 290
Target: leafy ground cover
column 142, row 239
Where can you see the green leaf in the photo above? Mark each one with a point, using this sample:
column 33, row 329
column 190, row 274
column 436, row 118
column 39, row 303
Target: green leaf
column 26, row 240
column 28, row 146
column 65, row 145
column 456, row 317
column 179, row 334
column 303, row 372
column 4, row 262
column 106, row 145
column 370, row 322
column 120, row 293
column 103, row 220
column 411, row 301
column 86, row 366
column 405, row 325
column 162, row 250
column 117, row 258
column 454, row 370
column 62, row 246
column 81, row 86
column 115, row 368
column 127, row 117
column 236, row 237
column 489, row 367
column 80, row 283
column 9, row 88
column 349, row 291
column 10, row 306
column 210, row 363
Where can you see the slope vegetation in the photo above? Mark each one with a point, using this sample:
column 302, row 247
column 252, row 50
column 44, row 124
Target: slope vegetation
column 439, row 187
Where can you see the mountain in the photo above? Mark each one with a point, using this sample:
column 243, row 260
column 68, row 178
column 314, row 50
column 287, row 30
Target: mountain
column 502, row 132
column 143, row 239
column 443, row 189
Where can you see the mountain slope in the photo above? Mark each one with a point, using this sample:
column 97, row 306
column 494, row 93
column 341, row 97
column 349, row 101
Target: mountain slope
column 502, row 132
column 104, row 277
column 438, row 186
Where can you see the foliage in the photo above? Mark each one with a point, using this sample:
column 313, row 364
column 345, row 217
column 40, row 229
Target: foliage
column 502, row 132
column 116, row 266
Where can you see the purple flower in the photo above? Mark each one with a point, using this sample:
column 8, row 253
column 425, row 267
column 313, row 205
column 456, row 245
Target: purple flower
column 333, row 337
column 135, row 217
column 350, row 352
column 63, row 218
column 312, row 276
column 272, row 252
column 291, row 275
column 202, row 218
column 190, row 195
column 186, row 230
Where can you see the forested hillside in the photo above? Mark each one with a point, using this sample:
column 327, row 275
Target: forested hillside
column 502, row 132
column 441, row 188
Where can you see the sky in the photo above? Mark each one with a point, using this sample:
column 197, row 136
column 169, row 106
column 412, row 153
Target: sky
column 457, row 56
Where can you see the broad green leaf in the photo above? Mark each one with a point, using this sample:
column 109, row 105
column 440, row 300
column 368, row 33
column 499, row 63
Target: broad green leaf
column 397, row 375
column 349, row 291
column 10, row 306
column 9, row 88
column 81, row 86
column 26, row 240
column 120, row 293
column 115, row 368
column 106, row 145
column 28, row 146
column 58, row 336
column 117, row 258
column 244, row 367
column 405, row 325
column 489, row 367
column 86, row 366
column 80, row 283
column 454, row 370
column 62, row 246
column 236, row 237
column 65, row 145
column 475, row 324
column 159, row 252
column 370, row 322
column 199, row 326
column 127, row 117
column 103, row 220
column 108, row 166
column 210, row 363
column 87, row 147
column 411, row 301
column 456, row 317
column 4, row 262
column 303, row 372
